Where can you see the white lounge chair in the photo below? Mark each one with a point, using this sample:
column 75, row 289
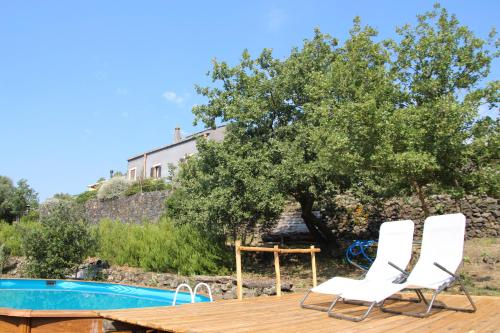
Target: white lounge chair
column 440, row 257
column 394, row 245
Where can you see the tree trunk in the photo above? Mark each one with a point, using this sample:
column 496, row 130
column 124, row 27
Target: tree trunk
column 317, row 228
column 420, row 193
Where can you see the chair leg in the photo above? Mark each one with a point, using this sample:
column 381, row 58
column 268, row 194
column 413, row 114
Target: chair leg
column 431, row 305
column 316, row 307
column 469, row 298
column 422, row 314
column 350, row 318
column 421, row 296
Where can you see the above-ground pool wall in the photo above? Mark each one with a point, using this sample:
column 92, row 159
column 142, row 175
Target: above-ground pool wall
column 50, row 324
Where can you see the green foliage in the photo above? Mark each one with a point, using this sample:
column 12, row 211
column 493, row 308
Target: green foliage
column 6, row 191
column 162, row 246
column 11, row 233
column 86, row 196
column 119, row 186
column 483, row 168
column 147, row 185
column 364, row 117
column 10, row 238
column 16, row 200
column 438, row 65
column 63, row 196
column 58, row 244
column 304, row 128
column 58, row 203
column 4, row 256
column 219, row 190
column 116, row 187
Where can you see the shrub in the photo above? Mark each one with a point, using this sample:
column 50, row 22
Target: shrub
column 113, row 188
column 58, row 244
column 10, row 238
column 55, row 205
column 4, row 256
column 85, row 196
column 147, row 185
column 10, row 234
column 162, row 246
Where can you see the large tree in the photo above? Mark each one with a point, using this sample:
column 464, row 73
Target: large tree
column 7, row 190
column 16, row 200
column 366, row 117
column 440, row 66
column 302, row 128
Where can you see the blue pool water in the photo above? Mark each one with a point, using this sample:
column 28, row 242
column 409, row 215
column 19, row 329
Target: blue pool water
column 76, row 295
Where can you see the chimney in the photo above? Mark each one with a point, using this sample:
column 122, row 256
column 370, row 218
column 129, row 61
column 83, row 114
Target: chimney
column 177, row 135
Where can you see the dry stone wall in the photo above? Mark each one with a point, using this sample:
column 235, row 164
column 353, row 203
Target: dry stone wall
column 482, row 213
column 355, row 221
column 351, row 221
column 148, row 206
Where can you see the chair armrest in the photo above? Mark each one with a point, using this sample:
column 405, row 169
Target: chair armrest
column 444, row 269
column 398, row 268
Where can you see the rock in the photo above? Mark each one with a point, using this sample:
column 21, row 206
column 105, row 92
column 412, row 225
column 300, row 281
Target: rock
column 484, row 278
column 269, row 291
column 91, row 269
column 286, row 286
column 214, row 279
column 258, row 283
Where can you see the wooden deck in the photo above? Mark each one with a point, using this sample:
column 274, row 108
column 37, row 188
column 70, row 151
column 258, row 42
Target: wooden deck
column 283, row 314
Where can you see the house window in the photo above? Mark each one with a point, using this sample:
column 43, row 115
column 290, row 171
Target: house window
column 131, row 174
column 155, row 171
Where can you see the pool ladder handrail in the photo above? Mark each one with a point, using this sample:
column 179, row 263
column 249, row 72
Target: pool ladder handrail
column 191, row 292
column 203, row 284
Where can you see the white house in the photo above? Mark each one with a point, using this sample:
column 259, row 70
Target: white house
column 155, row 163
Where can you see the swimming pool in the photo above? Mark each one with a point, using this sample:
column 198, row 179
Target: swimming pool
column 46, row 306
column 77, row 295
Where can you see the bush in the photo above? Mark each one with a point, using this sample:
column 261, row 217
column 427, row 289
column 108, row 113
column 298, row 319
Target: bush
column 162, row 246
column 10, row 238
column 55, row 205
column 16, row 200
column 85, row 196
column 10, row 234
column 59, row 243
column 4, row 256
column 147, row 185
column 113, row 188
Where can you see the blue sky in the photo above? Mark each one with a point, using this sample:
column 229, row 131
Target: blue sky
column 86, row 84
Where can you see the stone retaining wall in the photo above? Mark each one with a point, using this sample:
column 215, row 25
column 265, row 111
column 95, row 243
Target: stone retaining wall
column 136, row 208
column 355, row 221
column 352, row 220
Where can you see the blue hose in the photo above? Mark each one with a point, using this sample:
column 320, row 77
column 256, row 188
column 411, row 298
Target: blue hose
column 357, row 249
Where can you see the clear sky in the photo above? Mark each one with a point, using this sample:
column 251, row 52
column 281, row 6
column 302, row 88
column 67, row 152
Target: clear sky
column 86, row 84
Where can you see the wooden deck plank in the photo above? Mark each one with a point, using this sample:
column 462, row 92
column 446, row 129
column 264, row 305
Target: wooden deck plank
column 441, row 318
column 283, row 314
